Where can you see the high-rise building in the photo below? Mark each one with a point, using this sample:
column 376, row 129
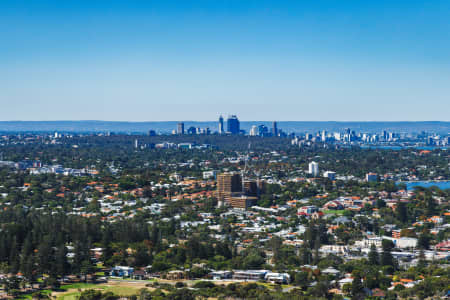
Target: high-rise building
column 227, row 184
column 233, row 125
column 254, row 130
column 274, row 128
column 263, row 130
column 313, row 168
column 323, row 136
column 221, row 131
column 192, row 130
column 180, row 128
column 251, row 188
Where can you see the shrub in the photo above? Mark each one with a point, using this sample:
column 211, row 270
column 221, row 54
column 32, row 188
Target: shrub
column 204, row 285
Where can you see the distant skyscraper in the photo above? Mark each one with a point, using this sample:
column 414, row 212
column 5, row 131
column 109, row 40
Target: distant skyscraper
column 221, row 131
column 233, row 125
column 275, row 128
column 313, row 168
column 136, row 143
column 254, row 130
column 192, row 130
column 262, row 130
column 227, row 184
column 180, row 129
column 323, row 136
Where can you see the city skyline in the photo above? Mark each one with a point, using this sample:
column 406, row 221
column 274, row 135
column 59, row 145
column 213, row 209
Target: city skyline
column 169, row 126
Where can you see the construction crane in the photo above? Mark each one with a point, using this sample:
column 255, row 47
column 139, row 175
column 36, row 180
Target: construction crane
column 245, row 168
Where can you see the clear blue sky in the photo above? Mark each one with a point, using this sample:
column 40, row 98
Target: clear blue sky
column 192, row 60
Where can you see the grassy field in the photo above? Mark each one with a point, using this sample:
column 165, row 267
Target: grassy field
column 334, row 212
column 78, row 286
column 117, row 290
column 72, row 291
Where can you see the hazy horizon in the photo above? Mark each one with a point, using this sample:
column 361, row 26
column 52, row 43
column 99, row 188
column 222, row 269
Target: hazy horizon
column 440, row 127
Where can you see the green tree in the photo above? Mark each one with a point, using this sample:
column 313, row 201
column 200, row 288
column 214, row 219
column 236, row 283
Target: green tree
column 62, row 265
column 424, row 241
column 386, row 257
column 86, row 268
column 374, row 258
column 402, row 212
column 357, row 291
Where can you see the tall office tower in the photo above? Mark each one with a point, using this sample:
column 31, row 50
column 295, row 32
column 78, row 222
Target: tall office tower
column 136, row 143
column 323, row 136
column 254, row 130
column 221, row 131
column 274, row 128
column 227, row 184
column 180, row 128
column 233, row 125
column 313, row 168
column 192, row 130
column 391, row 136
column 262, row 130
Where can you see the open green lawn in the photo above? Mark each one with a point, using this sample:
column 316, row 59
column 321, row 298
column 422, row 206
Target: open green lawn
column 70, row 296
column 80, row 285
column 335, row 212
column 125, row 291
column 117, row 290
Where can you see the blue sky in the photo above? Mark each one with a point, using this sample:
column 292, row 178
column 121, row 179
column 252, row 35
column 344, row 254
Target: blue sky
column 192, row 60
